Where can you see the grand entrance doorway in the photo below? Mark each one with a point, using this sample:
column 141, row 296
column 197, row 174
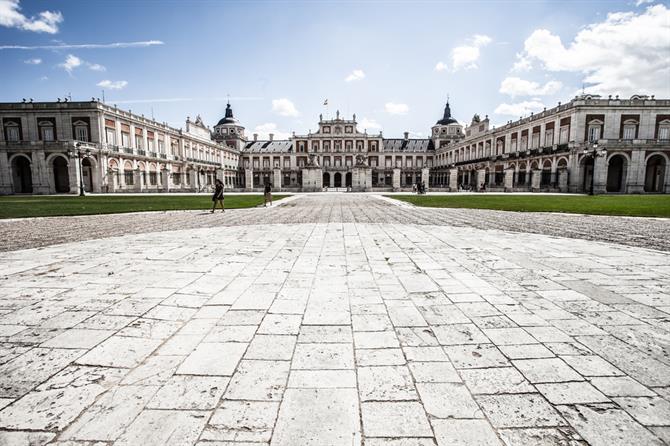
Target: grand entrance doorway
column 337, row 180
column 326, row 180
column 615, row 174
column 22, row 176
column 347, row 179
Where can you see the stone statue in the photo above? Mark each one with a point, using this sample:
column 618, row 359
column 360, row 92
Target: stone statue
column 313, row 160
column 360, row 161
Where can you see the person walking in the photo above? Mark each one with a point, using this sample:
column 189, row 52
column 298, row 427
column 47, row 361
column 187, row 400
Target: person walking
column 267, row 193
column 218, row 197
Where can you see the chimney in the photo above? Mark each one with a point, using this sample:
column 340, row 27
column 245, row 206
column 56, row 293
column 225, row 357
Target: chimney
column 406, row 136
column 255, row 137
column 272, row 136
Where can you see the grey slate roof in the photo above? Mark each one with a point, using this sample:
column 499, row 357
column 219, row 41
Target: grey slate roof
column 269, row 147
column 408, row 145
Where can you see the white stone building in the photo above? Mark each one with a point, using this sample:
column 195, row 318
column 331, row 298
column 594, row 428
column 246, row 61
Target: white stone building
column 587, row 145
column 590, row 145
column 56, row 147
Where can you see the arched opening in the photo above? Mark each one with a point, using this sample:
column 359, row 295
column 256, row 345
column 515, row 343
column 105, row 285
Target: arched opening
column 616, row 170
column 654, row 176
column 338, row 179
column 61, row 175
column 87, row 174
column 347, row 179
column 22, row 175
column 326, row 180
column 587, row 174
column 545, row 179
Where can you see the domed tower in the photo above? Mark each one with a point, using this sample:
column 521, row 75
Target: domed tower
column 229, row 131
column 447, row 129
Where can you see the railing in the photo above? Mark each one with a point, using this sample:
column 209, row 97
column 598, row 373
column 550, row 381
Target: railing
column 153, row 154
column 142, row 152
column 164, row 156
column 127, row 150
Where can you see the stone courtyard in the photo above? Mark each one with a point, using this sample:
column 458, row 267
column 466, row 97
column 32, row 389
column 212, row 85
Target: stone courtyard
column 336, row 319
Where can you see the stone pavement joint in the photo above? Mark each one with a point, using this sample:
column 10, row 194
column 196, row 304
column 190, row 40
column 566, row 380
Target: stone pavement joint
column 336, row 208
column 359, row 330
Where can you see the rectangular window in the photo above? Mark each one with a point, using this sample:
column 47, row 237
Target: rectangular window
column 81, row 133
column 139, row 142
column 549, row 138
column 125, row 139
column 594, row 133
column 12, row 133
column 110, row 136
column 664, row 133
column 564, row 135
column 47, row 133
column 629, row 132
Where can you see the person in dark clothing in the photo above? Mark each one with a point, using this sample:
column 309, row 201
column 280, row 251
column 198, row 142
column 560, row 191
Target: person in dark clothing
column 218, row 197
column 267, row 194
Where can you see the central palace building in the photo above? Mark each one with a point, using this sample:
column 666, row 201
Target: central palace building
column 588, row 145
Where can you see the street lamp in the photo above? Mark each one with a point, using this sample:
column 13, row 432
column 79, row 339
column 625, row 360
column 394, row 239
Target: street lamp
column 592, row 153
column 80, row 155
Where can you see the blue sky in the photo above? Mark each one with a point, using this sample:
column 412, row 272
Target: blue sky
column 393, row 63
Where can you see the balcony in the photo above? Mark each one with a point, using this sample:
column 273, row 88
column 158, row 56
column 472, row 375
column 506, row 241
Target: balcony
column 128, row 150
column 142, row 152
column 163, row 156
column 153, row 154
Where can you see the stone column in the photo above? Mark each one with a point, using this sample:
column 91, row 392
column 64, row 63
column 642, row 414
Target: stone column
column 5, row 177
column 248, row 179
column 276, row 173
column 167, row 184
column 453, row 179
column 562, row 179
column 535, row 180
column 492, row 177
column 194, row 178
column 73, row 174
column 40, row 173
column 600, row 175
column 509, row 179
column 396, row 179
column 481, row 176
column 636, row 173
column 137, row 179
column 425, row 176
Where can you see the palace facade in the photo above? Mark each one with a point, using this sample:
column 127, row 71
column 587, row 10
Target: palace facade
column 589, row 145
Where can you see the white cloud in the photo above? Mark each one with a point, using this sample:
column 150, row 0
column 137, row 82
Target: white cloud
column 522, row 63
column 441, row 66
column 35, row 61
column 520, row 108
column 369, row 124
column 466, row 56
column 96, row 67
column 84, row 46
column 112, row 85
column 355, row 75
column 515, row 86
column 264, row 131
column 71, row 62
column 642, row 2
column 45, row 22
column 625, row 54
column 284, row 107
column 396, row 109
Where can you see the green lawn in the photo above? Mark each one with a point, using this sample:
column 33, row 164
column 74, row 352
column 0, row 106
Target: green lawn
column 630, row 205
column 44, row 206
